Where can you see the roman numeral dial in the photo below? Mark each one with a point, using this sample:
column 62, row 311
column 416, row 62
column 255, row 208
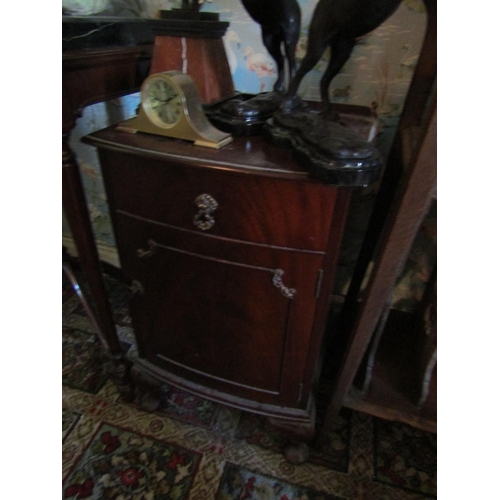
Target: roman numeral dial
column 163, row 102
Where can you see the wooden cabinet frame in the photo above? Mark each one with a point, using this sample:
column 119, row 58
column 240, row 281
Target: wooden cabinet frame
column 406, row 191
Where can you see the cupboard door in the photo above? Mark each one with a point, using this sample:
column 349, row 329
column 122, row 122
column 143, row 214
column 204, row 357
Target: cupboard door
column 220, row 319
column 239, row 324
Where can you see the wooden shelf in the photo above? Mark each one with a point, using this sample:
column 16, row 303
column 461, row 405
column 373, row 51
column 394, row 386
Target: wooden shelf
column 383, row 402
column 396, row 380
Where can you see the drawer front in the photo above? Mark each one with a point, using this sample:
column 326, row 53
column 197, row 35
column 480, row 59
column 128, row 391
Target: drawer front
column 233, row 317
column 253, row 208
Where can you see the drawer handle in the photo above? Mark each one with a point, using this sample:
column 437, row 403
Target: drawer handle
column 147, row 253
column 289, row 293
column 206, row 205
column 136, row 288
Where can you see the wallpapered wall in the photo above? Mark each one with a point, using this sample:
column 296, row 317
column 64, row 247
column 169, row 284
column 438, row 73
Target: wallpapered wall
column 377, row 74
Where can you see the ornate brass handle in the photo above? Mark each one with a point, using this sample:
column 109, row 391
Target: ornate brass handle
column 147, row 253
column 206, row 205
column 289, row 293
column 136, row 288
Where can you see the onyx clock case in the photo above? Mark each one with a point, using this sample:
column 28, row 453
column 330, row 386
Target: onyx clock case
column 231, row 254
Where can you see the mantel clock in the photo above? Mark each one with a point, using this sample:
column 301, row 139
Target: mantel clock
column 170, row 107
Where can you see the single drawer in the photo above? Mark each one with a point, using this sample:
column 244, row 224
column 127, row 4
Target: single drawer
column 253, row 208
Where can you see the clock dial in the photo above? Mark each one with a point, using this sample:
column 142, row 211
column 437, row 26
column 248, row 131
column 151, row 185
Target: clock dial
column 163, row 102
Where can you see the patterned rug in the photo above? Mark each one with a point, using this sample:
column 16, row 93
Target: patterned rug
column 402, row 457
column 333, row 454
column 239, row 482
column 185, row 407
column 83, row 361
column 194, row 449
column 119, row 463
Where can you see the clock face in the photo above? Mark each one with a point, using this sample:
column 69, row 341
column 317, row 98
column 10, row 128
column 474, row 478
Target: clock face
column 162, row 102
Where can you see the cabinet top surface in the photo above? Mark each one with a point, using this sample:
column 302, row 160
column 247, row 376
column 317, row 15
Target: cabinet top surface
column 245, row 154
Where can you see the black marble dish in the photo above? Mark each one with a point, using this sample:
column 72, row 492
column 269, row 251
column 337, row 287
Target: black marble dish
column 331, row 152
column 243, row 114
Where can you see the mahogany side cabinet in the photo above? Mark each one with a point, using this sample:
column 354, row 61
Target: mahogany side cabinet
column 231, row 255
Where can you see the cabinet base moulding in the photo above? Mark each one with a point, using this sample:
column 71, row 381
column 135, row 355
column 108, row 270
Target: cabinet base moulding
column 149, row 379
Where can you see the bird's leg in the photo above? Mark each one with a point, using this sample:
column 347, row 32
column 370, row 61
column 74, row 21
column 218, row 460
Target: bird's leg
column 290, row 56
column 312, row 56
column 339, row 54
column 190, row 5
column 290, row 41
column 272, row 42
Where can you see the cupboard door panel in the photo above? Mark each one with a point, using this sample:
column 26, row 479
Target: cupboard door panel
column 217, row 318
column 233, row 317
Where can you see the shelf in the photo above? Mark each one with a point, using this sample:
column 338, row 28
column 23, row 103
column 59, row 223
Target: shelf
column 397, row 377
column 385, row 402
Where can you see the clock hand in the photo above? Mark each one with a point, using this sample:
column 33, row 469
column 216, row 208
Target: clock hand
column 164, row 100
column 170, row 98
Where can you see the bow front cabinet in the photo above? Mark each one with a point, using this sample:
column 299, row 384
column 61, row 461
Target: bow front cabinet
column 231, row 256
